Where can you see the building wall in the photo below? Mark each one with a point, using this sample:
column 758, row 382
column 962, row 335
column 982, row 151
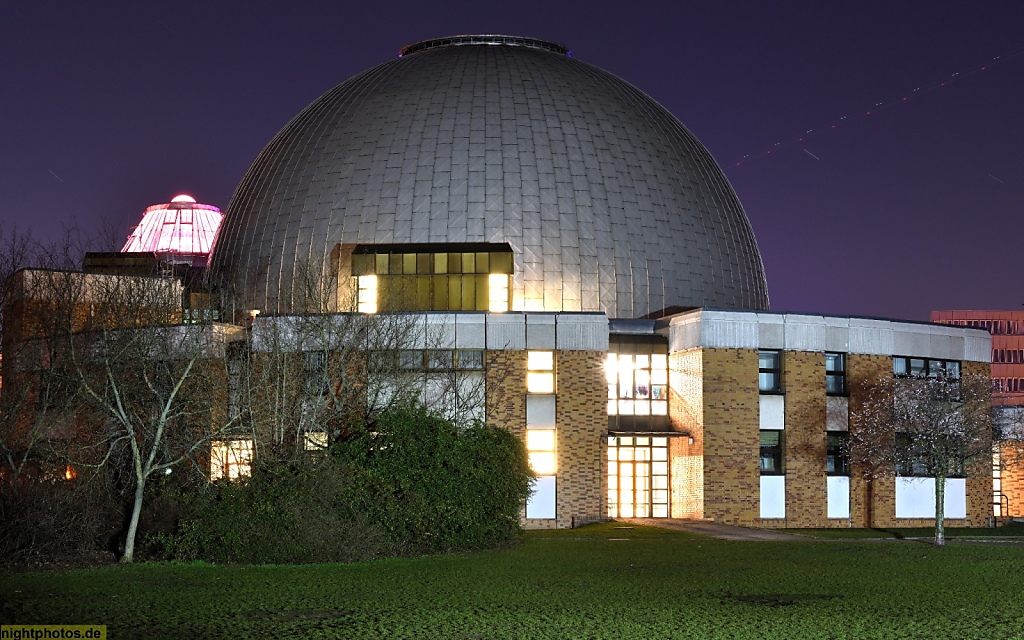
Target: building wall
column 1007, row 329
column 731, row 444
column 1007, row 371
column 727, row 418
column 872, row 500
column 1011, row 457
column 581, row 422
column 803, row 380
column 686, row 414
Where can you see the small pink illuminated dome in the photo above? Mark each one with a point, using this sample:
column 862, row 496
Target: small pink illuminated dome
column 179, row 231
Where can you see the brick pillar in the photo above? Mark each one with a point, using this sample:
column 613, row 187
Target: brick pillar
column 805, row 442
column 686, row 415
column 731, row 436
column 872, row 501
column 581, row 419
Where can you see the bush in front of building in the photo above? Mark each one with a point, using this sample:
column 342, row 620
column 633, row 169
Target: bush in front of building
column 408, row 483
column 285, row 513
column 447, row 487
column 46, row 521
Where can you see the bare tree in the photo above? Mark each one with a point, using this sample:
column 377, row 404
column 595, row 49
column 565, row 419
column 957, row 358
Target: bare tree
column 155, row 388
column 38, row 393
column 939, row 427
column 312, row 376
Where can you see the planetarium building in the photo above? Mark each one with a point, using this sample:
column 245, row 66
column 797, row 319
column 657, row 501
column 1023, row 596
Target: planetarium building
column 503, row 147
column 568, row 245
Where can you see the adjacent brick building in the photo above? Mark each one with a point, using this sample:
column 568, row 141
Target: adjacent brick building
column 1007, row 330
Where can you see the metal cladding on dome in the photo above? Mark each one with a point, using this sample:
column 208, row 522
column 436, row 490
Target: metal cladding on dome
column 180, row 230
column 608, row 202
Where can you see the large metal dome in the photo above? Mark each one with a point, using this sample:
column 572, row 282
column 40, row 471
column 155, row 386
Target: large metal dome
column 608, row 202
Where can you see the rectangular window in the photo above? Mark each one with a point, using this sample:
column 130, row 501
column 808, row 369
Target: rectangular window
column 837, row 454
column 636, row 372
column 540, row 372
column 410, row 360
column 315, row 440
column 903, row 367
column 497, row 292
column 909, row 460
column 366, row 295
column 771, row 453
column 835, row 374
column 769, row 379
column 470, row 360
column 231, row 459
column 540, row 446
column 315, row 367
column 439, row 360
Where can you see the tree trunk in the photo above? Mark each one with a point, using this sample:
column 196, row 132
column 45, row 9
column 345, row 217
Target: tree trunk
column 133, row 525
column 940, row 511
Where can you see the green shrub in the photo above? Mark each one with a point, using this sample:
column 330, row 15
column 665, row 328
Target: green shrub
column 53, row 521
column 433, row 486
column 284, row 513
column 410, row 483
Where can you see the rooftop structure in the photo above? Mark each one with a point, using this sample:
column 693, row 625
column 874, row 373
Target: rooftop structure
column 606, row 201
column 178, row 232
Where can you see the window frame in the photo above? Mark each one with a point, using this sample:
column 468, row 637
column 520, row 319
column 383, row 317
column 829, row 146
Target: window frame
column 540, row 367
column 775, row 452
column 837, row 452
column 776, row 371
column 929, row 368
column 231, row 458
column 838, row 376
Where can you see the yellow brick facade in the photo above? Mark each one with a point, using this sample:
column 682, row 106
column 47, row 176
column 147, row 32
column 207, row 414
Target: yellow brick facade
column 731, row 436
column 714, row 459
column 715, row 400
column 581, row 421
column 686, row 413
column 803, row 376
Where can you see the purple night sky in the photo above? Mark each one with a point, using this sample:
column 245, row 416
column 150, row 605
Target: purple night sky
column 110, row 107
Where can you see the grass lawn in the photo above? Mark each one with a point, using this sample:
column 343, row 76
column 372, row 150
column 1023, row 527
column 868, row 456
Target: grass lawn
column 1013, row 530
column 567, row 584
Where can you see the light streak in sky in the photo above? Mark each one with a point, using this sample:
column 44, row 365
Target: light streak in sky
column 55, row 175
column 812, row 155
column 878, row 106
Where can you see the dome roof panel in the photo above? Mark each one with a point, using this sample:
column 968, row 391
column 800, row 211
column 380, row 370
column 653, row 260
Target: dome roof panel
column 608, row 202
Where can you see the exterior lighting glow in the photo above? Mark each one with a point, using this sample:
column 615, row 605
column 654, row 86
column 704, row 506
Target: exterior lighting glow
column 367, row 294
column 181, row 231
column 315, row 440
column 540, row 444
column 497, row 288
column 637, row 385
column 231, row 459
column 540, row 367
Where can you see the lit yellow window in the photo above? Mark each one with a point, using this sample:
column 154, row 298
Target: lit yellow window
column 540, row 445
column 540, row 368
column 315, row 440
column 637, row 385
column 367, row 294
column 231, row 459
column 497, row 291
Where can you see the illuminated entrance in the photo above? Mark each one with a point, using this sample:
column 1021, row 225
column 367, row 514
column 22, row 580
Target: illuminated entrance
column 638, row 477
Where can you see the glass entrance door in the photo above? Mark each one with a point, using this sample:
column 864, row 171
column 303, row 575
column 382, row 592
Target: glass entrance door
column 638, row 477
